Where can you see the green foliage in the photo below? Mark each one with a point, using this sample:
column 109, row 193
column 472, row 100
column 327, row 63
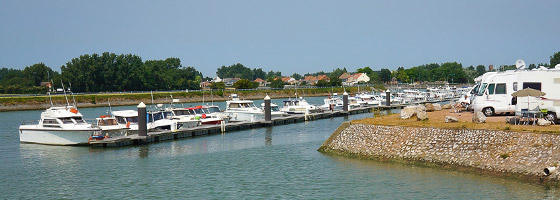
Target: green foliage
column 235, row 71
column 245, row 84
column 258, row 73
column 272, row 74
column 218, row 85
column 480, row 69
column 337, row 72
column 277, row 84
column 555, row 59
column 385, row 75
column 335, row 81
column 322, row 83
column 38, row 73
column 111, row 72
column 296, row 76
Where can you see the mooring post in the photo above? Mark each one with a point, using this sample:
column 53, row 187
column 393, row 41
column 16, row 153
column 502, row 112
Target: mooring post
column 142, row 120
column 267, row 110
column 345, row 102
column 388, row 98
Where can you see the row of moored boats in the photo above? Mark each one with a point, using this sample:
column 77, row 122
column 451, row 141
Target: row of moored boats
column 65, row 125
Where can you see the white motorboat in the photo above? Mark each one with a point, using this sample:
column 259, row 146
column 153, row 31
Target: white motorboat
column 369, row 99
column 274, row 110
column 244, row 110
column 109, row 126
column 300, row 106
column 198, row 113
column 155, row 120
column 332, row 103
column 58, row 126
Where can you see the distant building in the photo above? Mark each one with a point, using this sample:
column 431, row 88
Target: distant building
column 289, row 80
column 230, row 81
column 261, row 82
column 205, row 85
column 351, row 79
column 216, row 79
column 323, row 77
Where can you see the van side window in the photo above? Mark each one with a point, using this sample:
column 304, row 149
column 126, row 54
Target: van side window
column 491, row 88
column 534, row 85
column 501, row 88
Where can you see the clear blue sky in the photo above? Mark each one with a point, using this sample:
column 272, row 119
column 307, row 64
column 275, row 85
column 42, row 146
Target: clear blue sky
column 288, row 36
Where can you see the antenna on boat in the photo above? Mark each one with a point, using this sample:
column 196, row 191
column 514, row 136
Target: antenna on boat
column 212, row 96
column 202, row 96
column 152, row 94
column 49, row 91
column 64, row 92
column 110, row 109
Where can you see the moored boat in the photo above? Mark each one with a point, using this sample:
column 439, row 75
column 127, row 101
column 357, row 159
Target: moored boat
column 58, row 126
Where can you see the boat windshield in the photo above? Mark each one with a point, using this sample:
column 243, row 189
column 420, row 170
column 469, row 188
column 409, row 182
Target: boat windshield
column 106, row 122
column 182, row 112
column 274, row 108
column 79, row 120
column 241, row 105
column 66, row 120
column 132, row 119
column 198, row 111
column 213, row 109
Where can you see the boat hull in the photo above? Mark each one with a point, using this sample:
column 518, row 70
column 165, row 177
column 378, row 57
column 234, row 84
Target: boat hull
column 55, row 137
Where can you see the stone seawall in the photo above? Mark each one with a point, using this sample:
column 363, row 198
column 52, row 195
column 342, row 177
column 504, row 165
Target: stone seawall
column 517, row 154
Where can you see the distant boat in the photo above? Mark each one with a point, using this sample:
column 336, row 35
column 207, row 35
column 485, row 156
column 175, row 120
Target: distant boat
column 58, row 126
column 244, row 110
column 299, row 106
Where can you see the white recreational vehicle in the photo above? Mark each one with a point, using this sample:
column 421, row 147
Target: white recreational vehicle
column 493, row 94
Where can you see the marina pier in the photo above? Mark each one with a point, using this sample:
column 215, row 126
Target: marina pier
column 229, row 127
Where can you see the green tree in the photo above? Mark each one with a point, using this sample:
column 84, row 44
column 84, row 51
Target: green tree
column 218, row 85
column 337, row 72
column 555, row 59
column 259, row 73
column 235, row 71
column 480, row 69
column 245, row 84
column 385, row 75
column 38, row 73
column 296, row 76
column 335, row 81
column 278, row 84
column 322, row 83
column 272, row 74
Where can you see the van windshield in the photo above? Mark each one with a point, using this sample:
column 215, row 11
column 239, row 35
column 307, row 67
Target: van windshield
column 482, row 89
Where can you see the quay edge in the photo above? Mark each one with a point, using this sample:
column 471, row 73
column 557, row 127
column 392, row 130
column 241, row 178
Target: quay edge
column 518, row 155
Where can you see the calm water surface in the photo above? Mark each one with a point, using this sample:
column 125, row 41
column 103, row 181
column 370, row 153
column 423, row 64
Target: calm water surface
column 265, row 163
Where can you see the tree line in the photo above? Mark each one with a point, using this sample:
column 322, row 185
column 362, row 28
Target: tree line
column 105, row 72
column 127, row 72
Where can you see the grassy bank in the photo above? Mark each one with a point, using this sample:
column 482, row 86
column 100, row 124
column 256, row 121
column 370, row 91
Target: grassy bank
column 118, row 99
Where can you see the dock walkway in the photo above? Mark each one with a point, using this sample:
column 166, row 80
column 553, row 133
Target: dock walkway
column 229, row 127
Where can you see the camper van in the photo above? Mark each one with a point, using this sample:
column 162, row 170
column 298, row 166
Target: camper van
column 494, row 94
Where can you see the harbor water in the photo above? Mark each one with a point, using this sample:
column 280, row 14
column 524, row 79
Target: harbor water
column 264, row 163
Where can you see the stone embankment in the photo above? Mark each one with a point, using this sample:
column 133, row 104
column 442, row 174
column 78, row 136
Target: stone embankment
column 518, row 154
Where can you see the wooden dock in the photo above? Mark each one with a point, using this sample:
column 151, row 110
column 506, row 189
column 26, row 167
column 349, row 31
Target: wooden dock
column 229, row 127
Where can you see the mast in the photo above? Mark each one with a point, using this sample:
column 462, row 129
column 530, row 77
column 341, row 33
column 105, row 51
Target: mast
column 49, row 91
column 72, row 93
column 64, row 93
